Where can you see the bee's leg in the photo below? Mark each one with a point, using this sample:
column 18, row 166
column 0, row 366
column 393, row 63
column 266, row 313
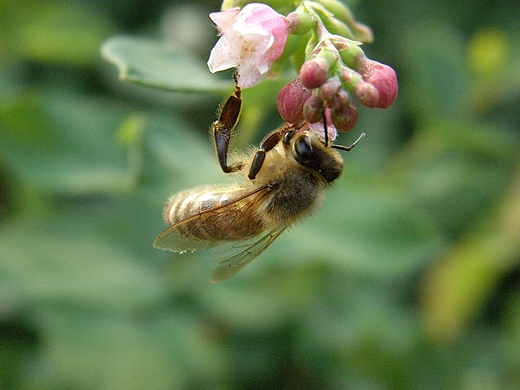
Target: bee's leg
column 269, row 143
column 222, row 129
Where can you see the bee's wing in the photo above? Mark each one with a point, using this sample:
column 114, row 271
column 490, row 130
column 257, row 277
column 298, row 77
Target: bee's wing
column 242, row 253
column 169, row 238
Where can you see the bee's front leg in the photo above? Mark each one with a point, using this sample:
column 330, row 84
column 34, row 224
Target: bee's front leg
column 268, row 143
column 222, row 129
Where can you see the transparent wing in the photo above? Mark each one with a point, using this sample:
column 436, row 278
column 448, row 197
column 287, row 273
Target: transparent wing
column 233, row 259
column 170, row 240
column 233, row 212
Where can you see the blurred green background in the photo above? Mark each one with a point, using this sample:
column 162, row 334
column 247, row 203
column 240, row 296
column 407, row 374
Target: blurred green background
column 408, row 277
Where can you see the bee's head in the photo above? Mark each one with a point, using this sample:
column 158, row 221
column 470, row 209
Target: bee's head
column 309, row 149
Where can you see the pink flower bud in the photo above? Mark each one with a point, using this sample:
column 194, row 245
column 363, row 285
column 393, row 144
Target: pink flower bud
column 383, row 78
column 329, row 90
column 313, row 109
column 345, row 117
column 367, row 94
column 291, row 99
column 314, row 73
column 343, row 97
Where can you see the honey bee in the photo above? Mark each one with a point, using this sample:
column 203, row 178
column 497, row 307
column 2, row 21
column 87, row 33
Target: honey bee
column 286, row 179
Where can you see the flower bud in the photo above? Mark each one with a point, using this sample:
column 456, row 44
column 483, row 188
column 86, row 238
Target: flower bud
column 341, row 12
column 300, row 21
column 314, row 73
column 343, row 97
column 329, row 90
column 313, row 109
column 362, row 32
column 383, row 78
column 335, row 26
column 291, row 99
column 345, row 117
column 349, row 78
column 367, row 94
column 349, row 51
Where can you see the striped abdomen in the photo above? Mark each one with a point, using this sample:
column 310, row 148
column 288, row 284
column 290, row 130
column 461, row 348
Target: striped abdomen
column 212, row 214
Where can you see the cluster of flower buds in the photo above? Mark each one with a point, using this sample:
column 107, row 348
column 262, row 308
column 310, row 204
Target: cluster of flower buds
column 333, row 70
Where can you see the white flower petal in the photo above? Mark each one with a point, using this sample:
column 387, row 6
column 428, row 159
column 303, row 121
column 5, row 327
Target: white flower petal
column 223, row 56
column 252, row 38
column 224, row 20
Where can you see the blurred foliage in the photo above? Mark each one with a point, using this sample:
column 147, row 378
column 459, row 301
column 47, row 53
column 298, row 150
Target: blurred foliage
column 408, row 277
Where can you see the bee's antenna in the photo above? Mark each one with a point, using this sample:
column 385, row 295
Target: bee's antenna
column 325, row 131
column 340, row 147
column 349, row 148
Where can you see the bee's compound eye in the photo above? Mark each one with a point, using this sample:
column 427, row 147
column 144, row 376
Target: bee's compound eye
column 303, row 148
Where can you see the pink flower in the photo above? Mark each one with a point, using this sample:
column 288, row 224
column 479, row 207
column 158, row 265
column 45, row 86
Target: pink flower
column 251, row 39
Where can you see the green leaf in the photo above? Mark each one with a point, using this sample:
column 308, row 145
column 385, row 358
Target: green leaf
column 54, row 31
column 466, row 276
column 45, row 260
column 64, row 143
column 92, row 350
column 161, row 64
